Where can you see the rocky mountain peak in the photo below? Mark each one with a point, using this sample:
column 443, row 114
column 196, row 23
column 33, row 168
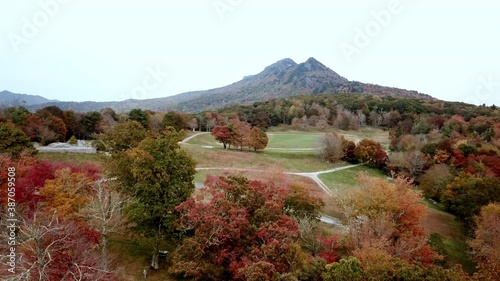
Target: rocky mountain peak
column 280, row 66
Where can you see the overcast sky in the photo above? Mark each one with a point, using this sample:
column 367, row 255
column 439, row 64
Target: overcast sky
column 117, row 49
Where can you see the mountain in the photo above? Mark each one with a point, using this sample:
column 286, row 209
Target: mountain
column 11, row 99
column 282, row 79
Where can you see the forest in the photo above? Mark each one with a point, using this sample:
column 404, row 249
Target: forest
column 76, row 216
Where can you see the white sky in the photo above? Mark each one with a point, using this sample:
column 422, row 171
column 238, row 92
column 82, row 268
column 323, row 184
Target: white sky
column 103, row 50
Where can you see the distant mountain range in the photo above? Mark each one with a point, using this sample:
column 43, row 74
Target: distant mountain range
column 282, row 79
column 12, row 99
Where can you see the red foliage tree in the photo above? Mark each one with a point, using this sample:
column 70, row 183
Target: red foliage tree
column 239, row 227
column 371, row 153
column 222, row 135
column 54, row 249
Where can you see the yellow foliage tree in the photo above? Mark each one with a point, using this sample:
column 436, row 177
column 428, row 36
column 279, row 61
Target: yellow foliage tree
column 66, row 193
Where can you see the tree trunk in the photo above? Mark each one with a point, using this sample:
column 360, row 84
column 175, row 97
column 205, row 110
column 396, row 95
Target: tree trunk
column 104, row 248
column 154, row 258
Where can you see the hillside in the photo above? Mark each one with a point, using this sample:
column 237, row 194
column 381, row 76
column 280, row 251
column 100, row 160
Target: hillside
column 12, row 99
column 282, row 79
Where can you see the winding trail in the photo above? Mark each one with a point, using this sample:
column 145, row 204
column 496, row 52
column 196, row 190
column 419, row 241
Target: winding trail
column 193, row 136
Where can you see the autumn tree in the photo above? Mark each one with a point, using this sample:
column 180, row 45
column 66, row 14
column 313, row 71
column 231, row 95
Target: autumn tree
column 239, row 132
column 332, row 147
column 222, row 135
column 240, row 233
column 434, row 181
column 349, row 148
column 51, row 248
column 409, row 163
column 299, row 202
column 22, row 165
column 486, row 243
column 386, row 216
column 53, row 117
column 175, row 120
column 66, row 194
column 192, row 124
column 159, row 176
column 257, row 139
column 371, row 153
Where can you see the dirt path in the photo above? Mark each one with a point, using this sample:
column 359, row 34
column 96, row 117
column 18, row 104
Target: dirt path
column 315, row 178
column 193, row 136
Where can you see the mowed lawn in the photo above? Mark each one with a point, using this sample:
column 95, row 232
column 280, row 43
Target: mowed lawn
column 307, row 161
column 75, row 158
column 294, row 140
column 348, row 178
column 372, row 133
column 276, row 140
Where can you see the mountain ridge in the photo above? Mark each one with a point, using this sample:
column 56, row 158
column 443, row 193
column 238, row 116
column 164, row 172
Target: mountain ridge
column 12, row 99
column 284, row 78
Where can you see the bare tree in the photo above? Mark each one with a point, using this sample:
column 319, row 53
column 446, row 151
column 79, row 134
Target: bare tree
column 49, row 248
column 307, row 230
column 104, row 212
column 193, row 124
column 332, row 149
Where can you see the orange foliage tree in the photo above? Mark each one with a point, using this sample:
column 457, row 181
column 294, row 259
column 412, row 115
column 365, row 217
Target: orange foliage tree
column 486, row 244
column 386, row 215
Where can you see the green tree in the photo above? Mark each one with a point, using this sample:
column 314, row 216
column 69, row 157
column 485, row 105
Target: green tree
column 121, row 137
column 18, row 115
column 173, row 119
column 346, row 269
column 140, row 116
column 73, row 140
column 159, row 176
column 89, row 124
column 467, row 194
column 13, row 141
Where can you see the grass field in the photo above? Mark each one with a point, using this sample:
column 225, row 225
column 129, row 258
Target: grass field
column 375, row 134
column 130, row 258
column 347, row 178
column 294, row 140
column 77, row 158
column 284, row 137
column 291, row 162
column 453, row 235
